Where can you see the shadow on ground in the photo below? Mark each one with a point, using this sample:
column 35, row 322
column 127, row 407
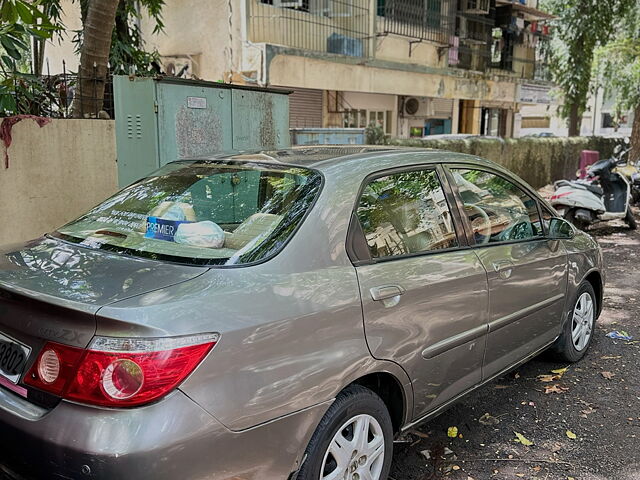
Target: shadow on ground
column 600, row 404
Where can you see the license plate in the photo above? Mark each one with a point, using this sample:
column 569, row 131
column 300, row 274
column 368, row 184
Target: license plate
column 13, row 358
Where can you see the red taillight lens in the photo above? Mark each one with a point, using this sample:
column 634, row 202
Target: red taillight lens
column 44, row 374
column 120, row 372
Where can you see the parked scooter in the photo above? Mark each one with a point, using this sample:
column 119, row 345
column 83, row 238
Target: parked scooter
column 629, row 169
column 604, row 195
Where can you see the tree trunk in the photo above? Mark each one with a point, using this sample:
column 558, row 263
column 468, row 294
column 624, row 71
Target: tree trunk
column 635, row 136
column 38, row 47
column 574, row 121
column 94, row 57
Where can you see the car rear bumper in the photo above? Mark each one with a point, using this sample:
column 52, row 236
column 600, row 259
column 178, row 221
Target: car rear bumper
column 173, row 438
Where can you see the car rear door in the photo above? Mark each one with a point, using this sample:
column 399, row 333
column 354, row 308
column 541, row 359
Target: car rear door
column 527, row 272
column 424, row 291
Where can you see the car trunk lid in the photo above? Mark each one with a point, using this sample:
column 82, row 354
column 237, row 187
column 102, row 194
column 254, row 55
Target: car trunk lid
column 50, row 290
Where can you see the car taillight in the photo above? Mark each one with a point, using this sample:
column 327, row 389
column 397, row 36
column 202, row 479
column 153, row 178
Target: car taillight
column 118, row 371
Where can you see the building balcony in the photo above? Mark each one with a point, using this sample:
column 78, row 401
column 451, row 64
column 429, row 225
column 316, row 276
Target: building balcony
column 341, row 27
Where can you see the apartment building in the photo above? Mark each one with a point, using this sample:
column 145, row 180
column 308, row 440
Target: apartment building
column 414, row 67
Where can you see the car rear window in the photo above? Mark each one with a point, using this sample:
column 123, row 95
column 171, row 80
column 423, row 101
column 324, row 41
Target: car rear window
column 202, row 213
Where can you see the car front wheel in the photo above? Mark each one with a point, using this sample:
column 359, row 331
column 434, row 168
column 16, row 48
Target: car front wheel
column 578, row 330
column 354, row 440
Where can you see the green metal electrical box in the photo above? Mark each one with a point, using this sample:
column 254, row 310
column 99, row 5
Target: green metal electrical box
column 163, row 119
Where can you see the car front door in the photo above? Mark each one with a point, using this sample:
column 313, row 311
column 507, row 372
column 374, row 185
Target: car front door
column 527, row 273
column 424, row 291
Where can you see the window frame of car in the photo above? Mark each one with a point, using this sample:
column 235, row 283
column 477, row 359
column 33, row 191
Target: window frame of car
column 449, row 166
column 356, row 243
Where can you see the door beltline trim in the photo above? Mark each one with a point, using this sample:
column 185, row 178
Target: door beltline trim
column 515, row 316
column 455, row 341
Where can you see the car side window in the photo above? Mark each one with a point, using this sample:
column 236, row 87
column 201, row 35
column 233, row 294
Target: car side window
column 498, row 210
column 406, row 213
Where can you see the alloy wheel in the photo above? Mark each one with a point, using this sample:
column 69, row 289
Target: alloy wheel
column 356, row 451
column 582, row 327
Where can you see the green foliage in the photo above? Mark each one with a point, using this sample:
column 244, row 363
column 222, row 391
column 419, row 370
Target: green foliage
column 20, row 21
column 32, row 94
column 374, row 135
column 128, row 54
column 617, row 64
column 581, row 27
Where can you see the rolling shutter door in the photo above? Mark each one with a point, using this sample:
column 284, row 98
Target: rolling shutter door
column 305, row 108
column 442, row 107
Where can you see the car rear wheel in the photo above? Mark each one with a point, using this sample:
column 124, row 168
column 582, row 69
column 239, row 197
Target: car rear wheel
column 354, row 440
column 578, row 330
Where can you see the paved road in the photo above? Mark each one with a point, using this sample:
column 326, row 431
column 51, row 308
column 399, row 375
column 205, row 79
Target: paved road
column 601, row 404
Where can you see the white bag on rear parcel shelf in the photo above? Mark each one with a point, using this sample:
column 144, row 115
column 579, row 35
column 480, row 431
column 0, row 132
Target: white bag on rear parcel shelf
column 200, row 234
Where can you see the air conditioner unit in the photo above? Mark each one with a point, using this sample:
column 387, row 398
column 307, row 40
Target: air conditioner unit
column 178, row 66
column 288, row 3
column 476, row 7
column 418, row 107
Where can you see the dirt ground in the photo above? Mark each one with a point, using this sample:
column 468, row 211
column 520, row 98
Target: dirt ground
column 596, row 400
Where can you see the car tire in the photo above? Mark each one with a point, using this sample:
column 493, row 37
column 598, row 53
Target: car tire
column 570, row 346
column 353, row 407
column 630, row 219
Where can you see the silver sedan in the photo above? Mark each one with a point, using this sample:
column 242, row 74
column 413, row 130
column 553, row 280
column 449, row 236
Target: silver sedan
column 279, row 315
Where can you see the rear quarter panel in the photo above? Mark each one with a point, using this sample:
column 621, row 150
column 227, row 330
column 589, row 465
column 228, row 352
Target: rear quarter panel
column 584, row 257
column 292, row 332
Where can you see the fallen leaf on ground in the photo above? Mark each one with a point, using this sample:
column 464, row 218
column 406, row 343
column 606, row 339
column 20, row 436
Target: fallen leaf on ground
column 555, row 389
column 611, row 357
column 571, row 435
column 452, row 432
column 488, row 419
column 608, row 375
column 556, row 375
column 522, row 439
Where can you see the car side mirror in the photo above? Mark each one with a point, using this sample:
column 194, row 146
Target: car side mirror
column 560, row 229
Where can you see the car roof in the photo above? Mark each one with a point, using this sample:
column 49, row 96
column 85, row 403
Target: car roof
column 327, row 157
column 359, row 161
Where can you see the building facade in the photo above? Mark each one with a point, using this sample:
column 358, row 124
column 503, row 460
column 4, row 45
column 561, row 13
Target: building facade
column 413, row 67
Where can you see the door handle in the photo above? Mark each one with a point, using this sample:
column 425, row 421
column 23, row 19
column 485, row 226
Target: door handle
column 385, row 292
column 504, row 268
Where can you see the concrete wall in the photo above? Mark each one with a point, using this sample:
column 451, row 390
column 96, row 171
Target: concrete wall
column 55, row 173
column 207, row 31
column 61, row 47
column 538, row 161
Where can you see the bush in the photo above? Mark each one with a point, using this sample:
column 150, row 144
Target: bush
column 538, row 161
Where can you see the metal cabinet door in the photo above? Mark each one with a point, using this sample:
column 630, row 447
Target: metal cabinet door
column 527, row 287
column 436, row 330
column 192, row 121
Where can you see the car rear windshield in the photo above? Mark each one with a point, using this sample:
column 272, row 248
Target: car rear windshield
column 202, row 213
